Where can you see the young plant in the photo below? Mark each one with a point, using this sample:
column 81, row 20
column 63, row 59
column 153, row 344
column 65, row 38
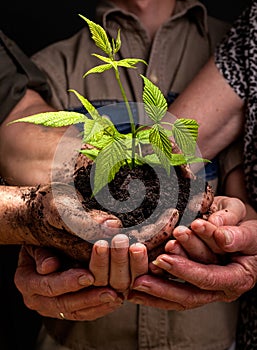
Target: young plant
column 112, row 149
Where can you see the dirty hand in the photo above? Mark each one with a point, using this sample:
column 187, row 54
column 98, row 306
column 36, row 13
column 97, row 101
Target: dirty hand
column 58, row 220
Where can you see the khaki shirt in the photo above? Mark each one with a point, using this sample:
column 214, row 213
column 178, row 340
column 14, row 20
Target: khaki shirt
column 180, row 48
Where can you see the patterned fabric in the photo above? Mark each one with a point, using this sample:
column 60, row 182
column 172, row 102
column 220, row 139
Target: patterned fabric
column 236, row 58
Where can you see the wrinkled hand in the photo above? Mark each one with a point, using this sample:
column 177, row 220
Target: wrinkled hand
column 78, row 293
column 50, row 291
column 210, row 282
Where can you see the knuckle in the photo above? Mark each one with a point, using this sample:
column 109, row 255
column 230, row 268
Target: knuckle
column 45, row 286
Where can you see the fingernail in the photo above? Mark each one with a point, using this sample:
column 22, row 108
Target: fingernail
column 101, row 247
column 217, row 220
column 106, row 297
column 161, row 263
column 228, row 237
column 142, row 288
column 182, row 234
column 86, row 280
column 112, row 223
column 120, row 241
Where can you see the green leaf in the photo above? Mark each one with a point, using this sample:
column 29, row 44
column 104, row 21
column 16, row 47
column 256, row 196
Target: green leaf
column 193, row 159
column 178, row 159
column 117, row 44
column 99, row 36
column 54, row 119
column 161, row 145
column 103, row 58
column 92, row 127
column 88, row 105
column 129, row 62
column 185, row 132
column 90, row 153
column 143, row 136
column 154, row 102
column 108, row 163
column 99, row 69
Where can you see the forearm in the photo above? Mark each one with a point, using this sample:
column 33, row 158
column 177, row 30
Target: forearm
column 213, row 103
column 27, row 150
column 15, row 216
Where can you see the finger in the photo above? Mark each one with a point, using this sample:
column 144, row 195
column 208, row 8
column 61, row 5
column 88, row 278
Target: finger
column 87, row 304
column 46, row 261
column 232, row 279
column 29, row 282
column 230, row 211
column 238, row 238
column 174, row 247
column 170, row 295
column 99, row 263
column 205, row 231
column 153, row 235
column 119, row 266
column 195, row 247
column 138, row 260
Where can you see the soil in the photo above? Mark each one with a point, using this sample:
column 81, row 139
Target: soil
column 153, row 190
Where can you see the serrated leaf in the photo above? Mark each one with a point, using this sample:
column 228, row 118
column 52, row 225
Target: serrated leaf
column 88, row 105
column 161, row 145
column 152, row 159
column 99, row 36
column 185, row 132
column 90, row 153
column 143, row 136
column 92, row 127
column 192, row 159
column 103, row 58
column 108, row 163
column 99, row 69
column 129, row 62
column 154, row 102
column 117, row 44
column 54, row 119
column 178, row 159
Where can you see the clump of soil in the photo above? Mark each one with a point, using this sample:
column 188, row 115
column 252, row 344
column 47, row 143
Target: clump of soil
column 153, row 190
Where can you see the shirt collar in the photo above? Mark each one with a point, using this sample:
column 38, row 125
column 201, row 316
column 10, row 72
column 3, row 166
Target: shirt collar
column 194, row 9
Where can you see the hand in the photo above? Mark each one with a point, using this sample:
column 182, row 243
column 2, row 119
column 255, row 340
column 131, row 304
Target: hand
column 58, row 220
column 118, row 265
column 205, row 283
column 201, row 241
column 55, row 293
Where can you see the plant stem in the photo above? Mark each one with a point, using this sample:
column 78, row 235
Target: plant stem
column 131, row 119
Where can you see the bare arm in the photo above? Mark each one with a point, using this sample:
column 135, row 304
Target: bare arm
column 27, row 150
column 218, row 109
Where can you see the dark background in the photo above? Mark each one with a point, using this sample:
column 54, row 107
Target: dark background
column 35, row 24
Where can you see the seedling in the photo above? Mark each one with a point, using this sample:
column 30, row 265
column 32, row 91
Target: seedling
column 112, row 149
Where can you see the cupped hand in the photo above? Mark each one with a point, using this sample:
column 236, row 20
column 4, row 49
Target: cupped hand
column 202, row 283
column 55, row 293
column 59, row 220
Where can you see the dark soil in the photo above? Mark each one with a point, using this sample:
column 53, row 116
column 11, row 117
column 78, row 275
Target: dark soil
column 154, row 191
